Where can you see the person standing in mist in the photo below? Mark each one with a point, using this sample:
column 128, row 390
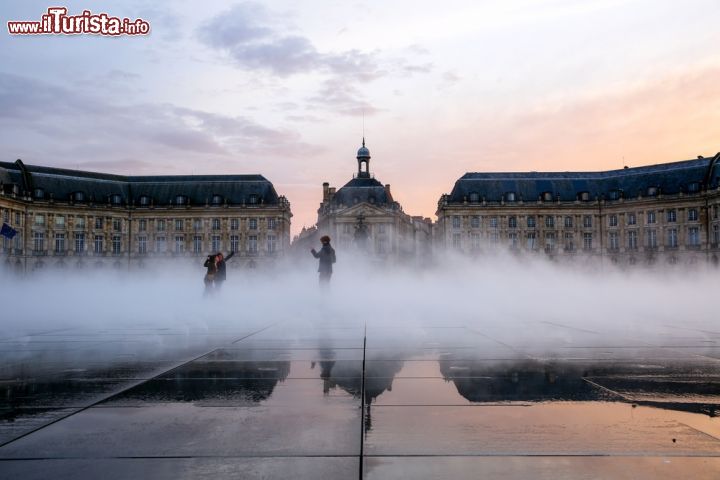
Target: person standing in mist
column 221, row 274
column 212, row 270
column 326, row 255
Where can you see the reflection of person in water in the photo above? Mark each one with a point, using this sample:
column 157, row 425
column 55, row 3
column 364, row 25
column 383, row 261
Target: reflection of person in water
column 326, row 255
column 380, row 372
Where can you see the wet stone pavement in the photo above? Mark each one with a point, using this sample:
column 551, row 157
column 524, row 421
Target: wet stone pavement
column 301, row 400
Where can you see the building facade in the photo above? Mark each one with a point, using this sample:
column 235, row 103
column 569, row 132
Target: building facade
column 363, row 216
column 67, row 218
column 666, row 213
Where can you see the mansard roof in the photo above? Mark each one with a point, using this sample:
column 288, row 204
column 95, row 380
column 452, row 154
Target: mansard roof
column 161, row 189
column 667, row 178
column 362, row 189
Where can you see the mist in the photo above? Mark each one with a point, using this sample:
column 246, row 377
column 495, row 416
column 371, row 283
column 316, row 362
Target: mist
column 500, row 296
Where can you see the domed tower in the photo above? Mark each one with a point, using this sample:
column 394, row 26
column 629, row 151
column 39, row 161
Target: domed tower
column 363, row 156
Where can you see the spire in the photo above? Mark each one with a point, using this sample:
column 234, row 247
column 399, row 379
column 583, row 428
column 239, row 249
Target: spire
column 363, row 157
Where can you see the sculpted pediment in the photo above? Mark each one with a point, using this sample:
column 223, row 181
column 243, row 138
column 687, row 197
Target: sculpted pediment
column 366, row 210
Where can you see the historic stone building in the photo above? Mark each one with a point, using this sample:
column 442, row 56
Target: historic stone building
column 667, row 213
column 363, row 216
column 69, row 218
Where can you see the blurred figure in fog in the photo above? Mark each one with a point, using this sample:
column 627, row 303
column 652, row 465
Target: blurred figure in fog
column 212, row 269
column 326, row 255
column 221, row 274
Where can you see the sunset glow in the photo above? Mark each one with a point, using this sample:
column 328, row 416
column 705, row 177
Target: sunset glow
column 283, row 88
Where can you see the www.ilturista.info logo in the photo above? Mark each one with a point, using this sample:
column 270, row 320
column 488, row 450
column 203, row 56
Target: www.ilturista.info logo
column 58, row 22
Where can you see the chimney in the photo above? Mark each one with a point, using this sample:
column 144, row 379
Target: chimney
column 326, row 191
column 387, row 191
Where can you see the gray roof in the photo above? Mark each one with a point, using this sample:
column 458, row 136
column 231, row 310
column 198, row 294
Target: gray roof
column 161, row 189
column 360, row 190
column 668, row 178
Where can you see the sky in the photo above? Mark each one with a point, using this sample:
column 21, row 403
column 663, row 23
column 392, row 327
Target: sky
column 287, row 88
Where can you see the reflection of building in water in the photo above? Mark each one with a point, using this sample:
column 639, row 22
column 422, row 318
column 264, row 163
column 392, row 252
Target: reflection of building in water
column 668, row 212
column 77, row 218
column 380, row 372
column 219, row 379
column 216, row 380
column 672, row 387
column 363, row 215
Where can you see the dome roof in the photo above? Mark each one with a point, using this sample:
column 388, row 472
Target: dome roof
column 363, row 153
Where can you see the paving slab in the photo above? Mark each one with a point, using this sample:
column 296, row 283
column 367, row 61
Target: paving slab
column 184, row 429
column 553, row 428
column 542, row 468
column 301, row 468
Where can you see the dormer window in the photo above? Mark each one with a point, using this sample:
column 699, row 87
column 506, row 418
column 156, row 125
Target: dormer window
column 115, row 199
column 10, row 188
column 144, row 200
column 371, row 199
column 547, row 197
column 39, row 194
column 474, row 197
column 253, row 199
column 78, row 197
column 652, row 191
column 584, row 196
column 510, row 196
column 614, row 195
column 693, row 187
column 217, row 200
column 181, row 200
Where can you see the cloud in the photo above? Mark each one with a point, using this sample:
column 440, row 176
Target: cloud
column 257, row 40
column 71, row 125
column 246, row 34
column 342, row 97
column 451, row 77
column 423, row 68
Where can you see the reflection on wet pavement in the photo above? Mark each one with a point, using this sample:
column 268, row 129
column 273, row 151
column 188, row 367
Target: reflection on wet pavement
column 286, row 401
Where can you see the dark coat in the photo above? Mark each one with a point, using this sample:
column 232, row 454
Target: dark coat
column 211, row 266
column 327, row 258
column 222, row 269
